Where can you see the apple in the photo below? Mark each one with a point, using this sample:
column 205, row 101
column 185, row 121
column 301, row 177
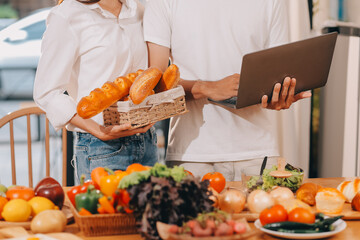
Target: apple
column 50, row 188
column 3, row 190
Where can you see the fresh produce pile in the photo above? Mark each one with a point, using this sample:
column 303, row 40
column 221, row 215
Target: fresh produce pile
column 268, row 182
column 101, row 194
column 298, row 220
column 39, row 206
column 167, row 195
column 217, row 223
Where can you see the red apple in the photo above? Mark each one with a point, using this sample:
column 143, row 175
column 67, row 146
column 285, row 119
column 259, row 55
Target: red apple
column 51, row 189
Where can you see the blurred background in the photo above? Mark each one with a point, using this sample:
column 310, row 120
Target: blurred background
column 319, row 135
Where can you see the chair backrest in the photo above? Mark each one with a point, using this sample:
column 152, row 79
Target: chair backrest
column 29, row 111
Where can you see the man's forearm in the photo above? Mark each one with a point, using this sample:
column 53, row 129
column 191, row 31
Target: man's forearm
column 195, row 89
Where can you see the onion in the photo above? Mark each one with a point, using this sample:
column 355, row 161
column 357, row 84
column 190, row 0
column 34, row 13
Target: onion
column 281, row 194
column 258, row 200
column 232, row 200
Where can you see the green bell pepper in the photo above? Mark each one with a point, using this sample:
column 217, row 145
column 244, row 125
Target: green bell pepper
column 88, row 200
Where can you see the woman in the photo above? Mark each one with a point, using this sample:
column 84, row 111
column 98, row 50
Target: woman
column 87, row 43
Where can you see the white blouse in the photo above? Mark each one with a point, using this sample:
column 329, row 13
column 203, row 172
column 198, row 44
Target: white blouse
column 83, row 47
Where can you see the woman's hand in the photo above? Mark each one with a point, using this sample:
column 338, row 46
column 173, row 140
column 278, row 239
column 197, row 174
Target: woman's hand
column 118, row 131
column 287, row 96
column 109, row 132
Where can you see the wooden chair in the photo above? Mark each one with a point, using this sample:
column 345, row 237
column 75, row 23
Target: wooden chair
column 29, row 111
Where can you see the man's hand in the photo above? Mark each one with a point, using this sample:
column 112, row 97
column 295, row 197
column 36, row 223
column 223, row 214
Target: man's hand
column 218, row 90
column 287, row 96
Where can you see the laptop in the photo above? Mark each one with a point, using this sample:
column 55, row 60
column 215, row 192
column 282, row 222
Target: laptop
column 307, row 60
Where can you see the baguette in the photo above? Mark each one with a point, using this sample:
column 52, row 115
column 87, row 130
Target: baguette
column 169, row 80
column 101, row 98
column 144, row 84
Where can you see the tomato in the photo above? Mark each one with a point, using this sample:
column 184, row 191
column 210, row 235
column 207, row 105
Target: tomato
column 135, row 167
column 301, row 215
column 21, row 192
column 188, row 172
column 276, row 213
column 125, row 197
column 216, row 179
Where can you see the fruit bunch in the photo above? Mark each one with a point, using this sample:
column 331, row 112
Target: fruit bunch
column 20, row 203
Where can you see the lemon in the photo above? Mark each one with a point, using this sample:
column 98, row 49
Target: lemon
column 39, row 204
column 16, row 210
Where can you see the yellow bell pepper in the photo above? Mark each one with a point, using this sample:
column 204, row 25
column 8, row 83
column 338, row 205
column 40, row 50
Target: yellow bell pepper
column 109, row 183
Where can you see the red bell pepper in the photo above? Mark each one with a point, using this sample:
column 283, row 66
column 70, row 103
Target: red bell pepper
column 82, row 188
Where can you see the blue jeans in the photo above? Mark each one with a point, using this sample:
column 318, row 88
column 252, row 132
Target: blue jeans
column 91, row 152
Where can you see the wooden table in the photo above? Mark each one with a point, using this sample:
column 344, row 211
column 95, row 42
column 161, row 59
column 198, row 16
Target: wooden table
column 351, row 232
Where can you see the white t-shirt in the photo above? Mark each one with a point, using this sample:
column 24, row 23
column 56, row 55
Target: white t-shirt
column 83, row 47
column 208, row 39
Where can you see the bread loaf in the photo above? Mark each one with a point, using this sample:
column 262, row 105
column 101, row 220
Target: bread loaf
column 329, row 201
column 169, row 80
column 101, row 98
column 307, row 193
column 349, row 189
column 144, row 84
column 131, row 77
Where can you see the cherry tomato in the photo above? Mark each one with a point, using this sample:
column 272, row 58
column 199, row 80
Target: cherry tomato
column 276, row 213
column 216, row 179
column 301, row 215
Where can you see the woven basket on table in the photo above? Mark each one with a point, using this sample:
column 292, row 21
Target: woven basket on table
column 154, row 108
column 105, row 224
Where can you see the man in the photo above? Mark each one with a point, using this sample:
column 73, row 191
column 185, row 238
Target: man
column 206, row 39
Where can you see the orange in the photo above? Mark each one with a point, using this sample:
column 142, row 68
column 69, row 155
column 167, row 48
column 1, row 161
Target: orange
column 3, row 201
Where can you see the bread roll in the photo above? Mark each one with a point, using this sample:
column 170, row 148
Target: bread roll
column 349, row 189
column 329, row 201
column 291, row 204
column 169, row 80
column 144, row 84
column 307, row 193
column 355, row 203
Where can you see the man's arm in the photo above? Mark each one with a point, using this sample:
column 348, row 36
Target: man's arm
column 217, row 90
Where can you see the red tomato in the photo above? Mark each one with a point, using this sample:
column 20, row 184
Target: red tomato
column 125, row 197
column 276, row 213
column 301, row 215
column 216, row 179
column 187, row 172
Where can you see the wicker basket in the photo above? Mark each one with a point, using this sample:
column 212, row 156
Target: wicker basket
column 105, row 224
column 154, row 108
